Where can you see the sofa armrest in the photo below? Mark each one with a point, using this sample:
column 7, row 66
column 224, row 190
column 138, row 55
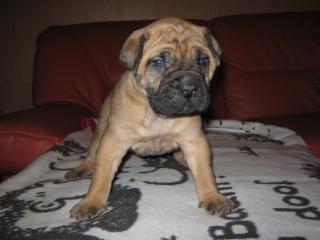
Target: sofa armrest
column 26, row 134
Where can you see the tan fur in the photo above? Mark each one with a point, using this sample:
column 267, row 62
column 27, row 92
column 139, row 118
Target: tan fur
column 128, row 122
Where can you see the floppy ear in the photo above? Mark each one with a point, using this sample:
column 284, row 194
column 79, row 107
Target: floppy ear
column 132, row 50
column 213, row 46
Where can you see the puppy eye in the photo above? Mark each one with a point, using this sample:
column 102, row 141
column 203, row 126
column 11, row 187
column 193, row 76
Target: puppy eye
column 158, row 62
column 202, row 61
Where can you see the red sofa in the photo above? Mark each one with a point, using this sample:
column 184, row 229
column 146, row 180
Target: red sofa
column 270, row 73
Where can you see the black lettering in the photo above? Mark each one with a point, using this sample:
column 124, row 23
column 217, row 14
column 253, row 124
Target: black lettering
column 228, row 194
column 296, row 201
column 285, row 190
column 237, row 214
column 291, row 238
column 234, row 230
column 224, row 188
column 223, row 183
column 310, row 213
column 235, row 202
column 274, row 183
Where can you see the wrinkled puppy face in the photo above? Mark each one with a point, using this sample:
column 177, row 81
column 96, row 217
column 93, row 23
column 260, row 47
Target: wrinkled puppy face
column 181, row 87
column 173, row 62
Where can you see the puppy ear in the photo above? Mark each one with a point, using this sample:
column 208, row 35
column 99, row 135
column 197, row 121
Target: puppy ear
column 132, row 50
column 213, row 46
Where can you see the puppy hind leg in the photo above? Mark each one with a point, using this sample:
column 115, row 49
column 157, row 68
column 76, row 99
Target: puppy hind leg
column 83, row 170
column 178, row 155
column 86, row 167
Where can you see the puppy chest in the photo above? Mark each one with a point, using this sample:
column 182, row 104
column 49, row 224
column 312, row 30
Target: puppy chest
column 155, row 146
column 155, row 128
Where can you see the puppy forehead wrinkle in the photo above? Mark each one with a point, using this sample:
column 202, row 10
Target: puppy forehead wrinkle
column 167, row 32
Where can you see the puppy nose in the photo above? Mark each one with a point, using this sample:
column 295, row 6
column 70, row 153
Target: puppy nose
column 188, row 85
column 188, row 90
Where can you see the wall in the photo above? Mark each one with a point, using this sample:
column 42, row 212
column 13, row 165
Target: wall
column 22, row 20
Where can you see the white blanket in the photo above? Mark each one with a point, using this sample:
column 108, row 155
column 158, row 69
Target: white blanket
column 267, row 171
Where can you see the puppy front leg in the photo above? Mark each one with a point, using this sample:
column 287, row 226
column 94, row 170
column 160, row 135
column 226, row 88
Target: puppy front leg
column 108, row 158
column 197, row 155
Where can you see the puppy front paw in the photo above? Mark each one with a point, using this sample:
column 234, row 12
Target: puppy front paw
column 216, row 203
column 87, row 210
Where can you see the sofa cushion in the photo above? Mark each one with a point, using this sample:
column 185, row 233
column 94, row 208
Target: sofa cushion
column 79, row 63
column 271, row 64
column 27, row 134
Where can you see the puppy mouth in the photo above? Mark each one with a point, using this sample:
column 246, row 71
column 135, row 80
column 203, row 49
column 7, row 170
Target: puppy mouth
column 180, row 93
